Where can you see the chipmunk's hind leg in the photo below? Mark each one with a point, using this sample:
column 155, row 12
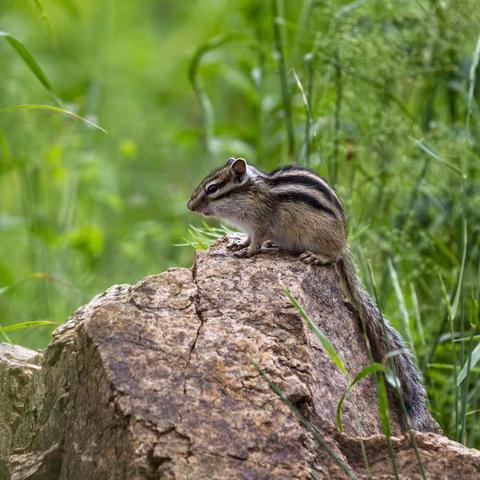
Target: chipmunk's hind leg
column 311, row 258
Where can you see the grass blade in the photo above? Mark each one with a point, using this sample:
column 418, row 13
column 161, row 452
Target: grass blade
column 27, row 57
column 436, row 156
column 325, row 342
column 451, row 322
column 22, row 325
column 418, row 317
column 472, row 80
column 448, row 367
column 350, row 7
column 458, row 292
column 385, row 421
column 401, row 304
column 14, row 108
column 282, row 73
column 308, row 115
column 5, row 336
column 451, row 302
column 383, row 407
column 470, row 338
column 200, row 238
column 195, row 80
column 472, row 360
column 365, row 372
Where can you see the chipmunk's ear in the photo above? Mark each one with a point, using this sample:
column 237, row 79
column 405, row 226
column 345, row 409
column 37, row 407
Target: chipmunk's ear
column 229, row 161
column 239, row 169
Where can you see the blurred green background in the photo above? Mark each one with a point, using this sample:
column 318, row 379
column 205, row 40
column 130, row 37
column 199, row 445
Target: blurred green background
column 380, row 97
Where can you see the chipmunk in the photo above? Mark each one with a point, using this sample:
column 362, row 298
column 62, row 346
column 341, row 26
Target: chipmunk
column 296, row 210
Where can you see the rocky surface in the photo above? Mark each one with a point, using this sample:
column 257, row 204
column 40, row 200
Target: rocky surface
column 156, row 381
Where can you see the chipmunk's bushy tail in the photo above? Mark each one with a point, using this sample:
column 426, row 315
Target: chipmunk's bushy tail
column 384, row 338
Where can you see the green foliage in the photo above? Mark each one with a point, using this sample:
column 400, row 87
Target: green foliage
column 200, row 238
column 379, row 97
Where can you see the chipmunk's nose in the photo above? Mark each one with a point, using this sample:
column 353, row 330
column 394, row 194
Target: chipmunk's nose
column 191, row 205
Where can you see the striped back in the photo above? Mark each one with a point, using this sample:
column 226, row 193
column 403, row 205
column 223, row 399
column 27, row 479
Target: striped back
column 300, row 184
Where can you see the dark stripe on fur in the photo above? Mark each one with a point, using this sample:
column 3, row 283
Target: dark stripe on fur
column 232, row 191
column 308, row 182
column 305, row 198
column 218, row 184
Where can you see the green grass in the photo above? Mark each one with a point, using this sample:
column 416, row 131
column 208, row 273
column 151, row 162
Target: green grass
column 380, row 97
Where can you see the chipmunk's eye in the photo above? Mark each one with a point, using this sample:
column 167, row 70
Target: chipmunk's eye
column 212, row 188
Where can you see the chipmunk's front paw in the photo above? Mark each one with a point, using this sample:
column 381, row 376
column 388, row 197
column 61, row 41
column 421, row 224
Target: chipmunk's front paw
column 244, row 253
column 236, row 245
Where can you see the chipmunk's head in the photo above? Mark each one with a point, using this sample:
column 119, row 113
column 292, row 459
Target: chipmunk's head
column 212, row 196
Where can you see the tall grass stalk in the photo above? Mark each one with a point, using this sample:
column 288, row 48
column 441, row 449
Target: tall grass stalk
column 401, row 305
column 310, row 68
column 396, row 383
column 451, row 324
column 418, row 321
column 472, row 80
column 308, row 116
column 464, row 386
column 195, row 80
column 336, row 115
column 277, row 20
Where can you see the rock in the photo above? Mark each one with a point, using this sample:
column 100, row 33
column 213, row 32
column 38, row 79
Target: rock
column 157, row 381
column 20, row 392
